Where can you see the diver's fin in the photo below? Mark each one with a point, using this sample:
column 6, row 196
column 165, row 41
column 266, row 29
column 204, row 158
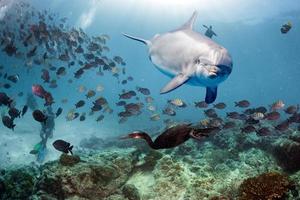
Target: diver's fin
column 211, row 94
column 190, row 24
column 175, row 83
column 147, row 42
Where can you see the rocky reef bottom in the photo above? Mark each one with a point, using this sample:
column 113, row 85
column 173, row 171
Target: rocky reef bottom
column 225, row 167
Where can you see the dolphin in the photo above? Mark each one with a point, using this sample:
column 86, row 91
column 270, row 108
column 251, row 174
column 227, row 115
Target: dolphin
column 189, row 57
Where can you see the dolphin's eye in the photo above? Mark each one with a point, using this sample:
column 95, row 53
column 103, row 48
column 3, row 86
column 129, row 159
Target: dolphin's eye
column 197, row 61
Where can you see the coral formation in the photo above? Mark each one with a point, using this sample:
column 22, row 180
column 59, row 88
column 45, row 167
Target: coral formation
column 267, row 186
column 69, row 160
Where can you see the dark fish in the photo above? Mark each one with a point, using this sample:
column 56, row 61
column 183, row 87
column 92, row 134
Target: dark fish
column 63, row 146
column 32, row 52
column 248, row 129
column 124, row 82
column 96, row 108
column 169, row 111
column 39, row 116
column 20, row 94
column 13, row 78
column 100, row 101
column 100, row 118
column 210, row 113
column 58, row 112
column 233, row 115
column 78, row 73
column 24, row 110
column 295, row 118
column 5, row 100
column 283, row 126
column 201, row 104
column 10, row 49
column 14, row 113
column 130, row 78
column 220, row 105
column 125, row 114
column 121, row 103
column 249, row 111
column 242, row 104
column 61, row 71
column 261, row 109
column 144, row 91
column 229, row 125
column 80, row 104
column 6, row 85
column 291, row 110
column 272, row 115
column 285, row 28
column 82, row 117
column 8, row 122
column 45, row 75
column 250, row 120
column 263, row 131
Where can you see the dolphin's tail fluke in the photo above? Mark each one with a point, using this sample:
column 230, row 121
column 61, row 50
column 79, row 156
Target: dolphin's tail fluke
column 147, row 42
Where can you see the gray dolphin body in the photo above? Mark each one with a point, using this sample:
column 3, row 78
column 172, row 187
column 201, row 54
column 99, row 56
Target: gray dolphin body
column 189, row 57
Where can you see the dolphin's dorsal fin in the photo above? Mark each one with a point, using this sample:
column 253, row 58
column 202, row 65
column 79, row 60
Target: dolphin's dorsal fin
column 190, row 24
column 147, row 42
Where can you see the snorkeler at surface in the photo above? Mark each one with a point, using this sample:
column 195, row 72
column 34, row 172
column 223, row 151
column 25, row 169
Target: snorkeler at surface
column 40, row 149
column 209, row 32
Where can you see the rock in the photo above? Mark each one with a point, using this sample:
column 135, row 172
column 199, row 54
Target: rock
column 287, row 153
column 270, row 185
column 18, row 183
column 68, row 160
column 131, row 192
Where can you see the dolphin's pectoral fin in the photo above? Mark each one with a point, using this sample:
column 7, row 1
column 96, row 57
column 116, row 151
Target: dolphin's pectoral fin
column 175, row 83
column 147, row 42
column 211, row 94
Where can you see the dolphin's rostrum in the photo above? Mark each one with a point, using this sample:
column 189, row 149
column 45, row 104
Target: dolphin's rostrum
column 189, row 57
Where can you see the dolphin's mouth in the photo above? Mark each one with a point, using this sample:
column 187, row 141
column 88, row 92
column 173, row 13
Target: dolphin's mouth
column 224, row 70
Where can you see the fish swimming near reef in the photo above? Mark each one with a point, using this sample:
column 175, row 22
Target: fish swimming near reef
column 201, row 61
column 63, row 146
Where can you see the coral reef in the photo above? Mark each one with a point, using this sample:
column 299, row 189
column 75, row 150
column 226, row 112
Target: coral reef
column 287, row 153
column 69, row 160
column 267, row 186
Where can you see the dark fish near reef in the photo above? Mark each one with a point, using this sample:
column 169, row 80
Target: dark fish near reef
column 229, row 125
column 248, row 129
column 82, row 117
column 272, row 115
column 61, row 71
column 261, row 109
column 39, row 116
column 172, row 137
column 144, row 91
column 220, row 105
column 58, row 112
column 32, row 52
column 169, row 111
column 24, row 110
column 283, row 126
column 100, row 118
column 63, row 146
column 233, row 115
column 90, row 94
column 291, row 110
column 8, row 122
column 242, row 104
column 121, row 103
column 263, row 131
column 210, row 113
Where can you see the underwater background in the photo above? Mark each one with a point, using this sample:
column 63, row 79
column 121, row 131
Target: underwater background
column 93, row 99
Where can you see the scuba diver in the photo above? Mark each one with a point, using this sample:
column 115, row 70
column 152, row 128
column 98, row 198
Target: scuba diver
column 209, row 32
column 40, row 149
column 286, row 28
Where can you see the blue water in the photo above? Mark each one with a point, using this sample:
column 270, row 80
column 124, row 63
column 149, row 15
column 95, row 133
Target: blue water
column 266, row 63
